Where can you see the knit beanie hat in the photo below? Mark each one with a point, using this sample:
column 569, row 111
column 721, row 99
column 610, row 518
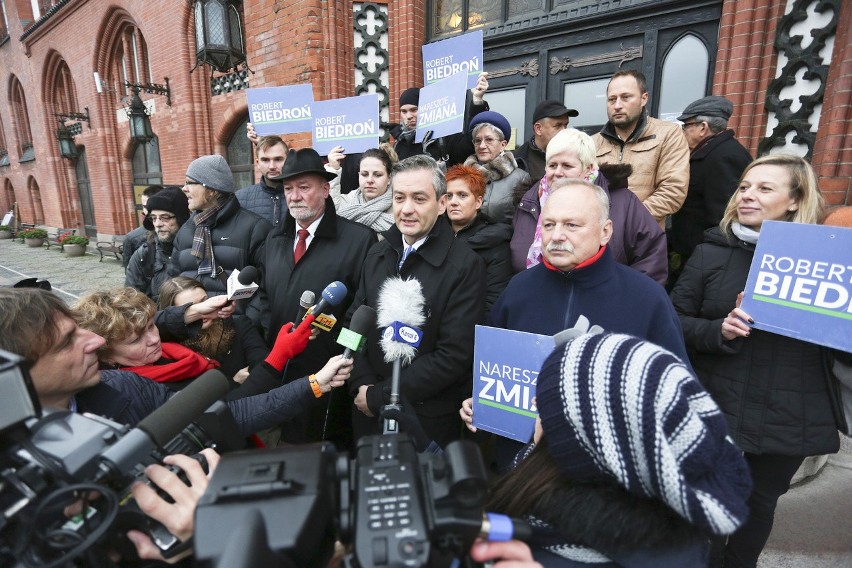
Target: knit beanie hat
column 212, row 172
column 410, row 96
column 171, row 199
column 616, row 408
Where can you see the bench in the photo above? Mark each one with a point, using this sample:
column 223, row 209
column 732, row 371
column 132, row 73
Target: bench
column 114, row 247
column 23, row 227
column 54, row 236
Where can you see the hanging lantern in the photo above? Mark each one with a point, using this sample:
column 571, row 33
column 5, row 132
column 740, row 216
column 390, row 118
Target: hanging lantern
column 219, row 34
column 140, row 123
column 67, row 146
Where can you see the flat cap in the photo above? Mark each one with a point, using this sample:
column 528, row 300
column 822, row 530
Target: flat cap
column 552, row 109
column 708, row 106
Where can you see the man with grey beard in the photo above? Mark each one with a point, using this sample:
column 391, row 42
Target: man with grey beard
column 312, row 247
column 148, row 267
column 579, row 276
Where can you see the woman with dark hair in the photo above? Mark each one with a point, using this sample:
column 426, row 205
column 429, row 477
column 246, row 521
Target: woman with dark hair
column 772, row 389
column 490, row 240
column 641, row 477
column 234, row 342
column 371, row 203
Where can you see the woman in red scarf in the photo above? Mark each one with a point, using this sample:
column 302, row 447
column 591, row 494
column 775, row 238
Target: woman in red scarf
column 125, row 319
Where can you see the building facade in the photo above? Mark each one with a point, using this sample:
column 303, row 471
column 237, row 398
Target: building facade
column 786, row 65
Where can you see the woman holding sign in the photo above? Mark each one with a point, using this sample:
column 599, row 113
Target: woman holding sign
column 371, row 203
column 772, row 389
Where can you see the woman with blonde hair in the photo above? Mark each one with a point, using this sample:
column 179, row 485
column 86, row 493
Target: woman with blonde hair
column 773, row 390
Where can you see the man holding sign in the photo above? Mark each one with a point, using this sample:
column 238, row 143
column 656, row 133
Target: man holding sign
column 456, row 147
column 579, row 277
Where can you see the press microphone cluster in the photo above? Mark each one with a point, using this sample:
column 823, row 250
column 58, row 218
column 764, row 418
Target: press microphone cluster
column 332, row 295
column 241, row 283
column 354, row 338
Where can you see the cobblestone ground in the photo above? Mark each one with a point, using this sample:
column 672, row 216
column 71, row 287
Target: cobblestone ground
column 70, row 277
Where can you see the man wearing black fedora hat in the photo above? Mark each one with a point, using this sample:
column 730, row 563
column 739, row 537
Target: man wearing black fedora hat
column 311, row 248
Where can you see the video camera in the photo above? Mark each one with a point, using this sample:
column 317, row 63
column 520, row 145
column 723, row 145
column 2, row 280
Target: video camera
column 60, row 459
column 287, row 506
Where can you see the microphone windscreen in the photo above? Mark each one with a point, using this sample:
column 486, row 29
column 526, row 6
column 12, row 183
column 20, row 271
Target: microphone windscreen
column 184, row 407
column 248, row 275
column 363, row 320
column 401, row 300
column 307, row 299
column 334, row 293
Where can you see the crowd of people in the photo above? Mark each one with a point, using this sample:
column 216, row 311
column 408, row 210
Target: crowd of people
column 672, row 433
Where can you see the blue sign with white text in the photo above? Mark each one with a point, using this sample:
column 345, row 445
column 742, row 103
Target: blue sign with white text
column 280, row 110
column 441, row 108
column 800, row 283
column 352, row 122
column 442, row 59
column 505, row 373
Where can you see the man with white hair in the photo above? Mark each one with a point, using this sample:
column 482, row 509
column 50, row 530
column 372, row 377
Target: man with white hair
column 579, row 276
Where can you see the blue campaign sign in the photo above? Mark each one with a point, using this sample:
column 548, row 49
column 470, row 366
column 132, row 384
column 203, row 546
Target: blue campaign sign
column 505, row 372
column 447, row 57
column 441, row 108
column 280, row 110
column 352, row 122
column 800, row 283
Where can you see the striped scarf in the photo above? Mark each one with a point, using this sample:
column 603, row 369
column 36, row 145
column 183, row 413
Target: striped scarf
column 202, row 243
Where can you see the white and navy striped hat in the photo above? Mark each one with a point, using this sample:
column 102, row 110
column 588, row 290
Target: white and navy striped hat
column 614, row 407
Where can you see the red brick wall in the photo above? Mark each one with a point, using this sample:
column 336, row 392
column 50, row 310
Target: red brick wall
column 832, row 158
column 746, row 65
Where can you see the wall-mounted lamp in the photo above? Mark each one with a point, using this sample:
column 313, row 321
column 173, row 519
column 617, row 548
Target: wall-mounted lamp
column 137, row 114
column 65, row 134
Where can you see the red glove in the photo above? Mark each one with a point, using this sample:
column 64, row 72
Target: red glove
column 288, row 345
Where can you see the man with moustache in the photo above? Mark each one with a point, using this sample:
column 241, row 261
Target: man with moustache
column 312, row 247
column 148, row 269
column 656, row 149
column 422, row 246
column 266, row 197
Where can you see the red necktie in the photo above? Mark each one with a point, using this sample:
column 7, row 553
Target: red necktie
column 301, row 245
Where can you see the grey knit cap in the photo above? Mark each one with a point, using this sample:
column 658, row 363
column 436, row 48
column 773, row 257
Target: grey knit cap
column 212, row 172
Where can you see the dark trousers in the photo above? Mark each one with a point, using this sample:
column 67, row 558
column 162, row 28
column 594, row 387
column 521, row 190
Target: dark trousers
column 771, row 475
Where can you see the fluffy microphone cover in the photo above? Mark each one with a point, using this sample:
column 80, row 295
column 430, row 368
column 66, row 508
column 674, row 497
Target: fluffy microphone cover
column 400, row 300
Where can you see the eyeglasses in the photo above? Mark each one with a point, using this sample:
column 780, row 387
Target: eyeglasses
column 163, row 218
column 686, row 125
column 488, row 141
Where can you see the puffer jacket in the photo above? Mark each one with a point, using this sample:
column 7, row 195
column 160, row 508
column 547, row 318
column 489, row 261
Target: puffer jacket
column 772, row 389
column 490, row 241
column 659, row 155
column 237, row 236
column 148, row 268
column 265, row 200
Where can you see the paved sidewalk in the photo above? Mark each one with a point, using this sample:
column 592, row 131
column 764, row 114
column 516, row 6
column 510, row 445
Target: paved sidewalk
column 813, row 522
column 70, row 277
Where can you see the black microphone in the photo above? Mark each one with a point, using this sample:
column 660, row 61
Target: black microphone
column 166, row 422
column 332, row 295
column 241, row 283
column 355, row 337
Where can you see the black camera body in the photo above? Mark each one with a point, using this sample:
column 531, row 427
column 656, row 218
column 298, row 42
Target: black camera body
column 395, row 507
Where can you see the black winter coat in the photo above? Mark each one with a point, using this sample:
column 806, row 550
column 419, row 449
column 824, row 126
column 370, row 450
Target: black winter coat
column 772, row 389
column 149, row 268
column 715, row 169
column 531, row 159
column 237, row 236
column 453, row 280
column 336, row 252
column 490, row 241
